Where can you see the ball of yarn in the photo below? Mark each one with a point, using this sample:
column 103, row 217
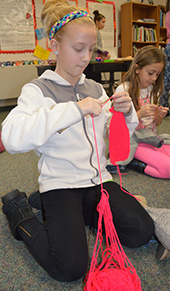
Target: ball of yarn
column 109, row 279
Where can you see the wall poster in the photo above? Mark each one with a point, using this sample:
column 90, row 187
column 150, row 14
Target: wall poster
column 17, row 26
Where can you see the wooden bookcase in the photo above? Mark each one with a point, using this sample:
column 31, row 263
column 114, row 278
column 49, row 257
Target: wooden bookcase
column 132, row 14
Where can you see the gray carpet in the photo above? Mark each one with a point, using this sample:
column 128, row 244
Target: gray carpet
column 19, row 271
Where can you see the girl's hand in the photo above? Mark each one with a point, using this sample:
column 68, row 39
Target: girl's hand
column 122, row 102
column 162, row 111
column 146, row 111
column 90, row 106
column 108, row 57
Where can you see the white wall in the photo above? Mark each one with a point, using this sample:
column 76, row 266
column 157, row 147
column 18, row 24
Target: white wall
column 82, row 3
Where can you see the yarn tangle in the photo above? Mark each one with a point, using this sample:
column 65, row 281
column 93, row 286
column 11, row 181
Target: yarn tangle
column 114, row 272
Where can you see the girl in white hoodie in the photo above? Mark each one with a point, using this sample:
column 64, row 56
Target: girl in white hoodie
column 53, row 118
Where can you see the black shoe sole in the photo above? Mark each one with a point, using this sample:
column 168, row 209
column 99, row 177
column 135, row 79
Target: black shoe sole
column 11, row 195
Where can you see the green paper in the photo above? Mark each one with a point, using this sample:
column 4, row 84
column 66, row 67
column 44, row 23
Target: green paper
column 108, row 61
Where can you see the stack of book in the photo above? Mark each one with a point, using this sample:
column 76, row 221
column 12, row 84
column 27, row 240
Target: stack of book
column 144, row 34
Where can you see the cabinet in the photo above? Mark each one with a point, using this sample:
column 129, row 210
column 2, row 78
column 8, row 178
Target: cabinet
column 13, row 78
column 139, row 27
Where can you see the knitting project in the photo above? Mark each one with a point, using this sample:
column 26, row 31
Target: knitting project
column 114, row 272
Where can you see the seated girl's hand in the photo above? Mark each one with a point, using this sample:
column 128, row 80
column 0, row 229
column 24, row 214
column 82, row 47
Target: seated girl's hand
column 90, row 106
column 162, row 111
column 122, row 102
column 146, row 111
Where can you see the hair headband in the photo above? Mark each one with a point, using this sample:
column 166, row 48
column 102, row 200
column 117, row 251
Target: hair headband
column 65, row 19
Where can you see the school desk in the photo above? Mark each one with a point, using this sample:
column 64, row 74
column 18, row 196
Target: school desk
column 119, row 65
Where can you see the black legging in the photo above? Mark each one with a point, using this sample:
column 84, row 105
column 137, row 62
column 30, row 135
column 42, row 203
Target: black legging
column 60, row 247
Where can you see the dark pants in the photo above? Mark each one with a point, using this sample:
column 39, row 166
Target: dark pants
column 60, row 247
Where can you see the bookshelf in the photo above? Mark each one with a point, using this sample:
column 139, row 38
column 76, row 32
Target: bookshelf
column 139, row 27
column 162, row 28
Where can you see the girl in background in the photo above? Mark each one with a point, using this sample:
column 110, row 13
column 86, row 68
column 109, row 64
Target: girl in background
column 53, row 118
column 165, row 94
column 99, row 20
column 149, row 153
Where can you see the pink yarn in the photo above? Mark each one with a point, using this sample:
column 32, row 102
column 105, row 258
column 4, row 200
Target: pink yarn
column 115, row 272
column 119, row 138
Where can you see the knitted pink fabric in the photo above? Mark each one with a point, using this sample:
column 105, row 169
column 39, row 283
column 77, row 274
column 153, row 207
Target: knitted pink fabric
column 119, row 138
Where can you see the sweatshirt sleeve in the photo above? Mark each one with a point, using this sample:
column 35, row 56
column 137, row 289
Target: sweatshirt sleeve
column 131, row 120
column 34, row 120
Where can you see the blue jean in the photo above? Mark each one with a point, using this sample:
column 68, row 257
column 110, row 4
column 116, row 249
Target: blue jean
column 165, row 94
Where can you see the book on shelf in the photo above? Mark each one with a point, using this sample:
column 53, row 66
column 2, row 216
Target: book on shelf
column 144, row 34
column 162, row 18
column 148, row 20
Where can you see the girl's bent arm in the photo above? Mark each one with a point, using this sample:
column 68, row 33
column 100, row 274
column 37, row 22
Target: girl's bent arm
column 35, row 119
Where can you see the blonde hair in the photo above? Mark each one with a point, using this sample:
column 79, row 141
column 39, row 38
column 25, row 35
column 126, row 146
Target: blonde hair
column 54, row 10
column 144, row 57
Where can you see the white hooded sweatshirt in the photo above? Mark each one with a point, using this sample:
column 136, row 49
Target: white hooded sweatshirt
column 49, row 121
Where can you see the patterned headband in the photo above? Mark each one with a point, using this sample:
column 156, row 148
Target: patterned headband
column 65, row 19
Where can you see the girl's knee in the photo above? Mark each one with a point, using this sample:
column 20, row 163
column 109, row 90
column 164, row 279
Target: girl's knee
column 147, row 230
column 161, row 172
column 69, row 271
column 140, row 232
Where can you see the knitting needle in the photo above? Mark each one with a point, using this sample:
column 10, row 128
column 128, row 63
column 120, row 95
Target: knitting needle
column 104, row 102
column 159, row 121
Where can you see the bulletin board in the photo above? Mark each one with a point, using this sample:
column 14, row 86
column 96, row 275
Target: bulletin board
column 108, row 34
column 17, row 26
